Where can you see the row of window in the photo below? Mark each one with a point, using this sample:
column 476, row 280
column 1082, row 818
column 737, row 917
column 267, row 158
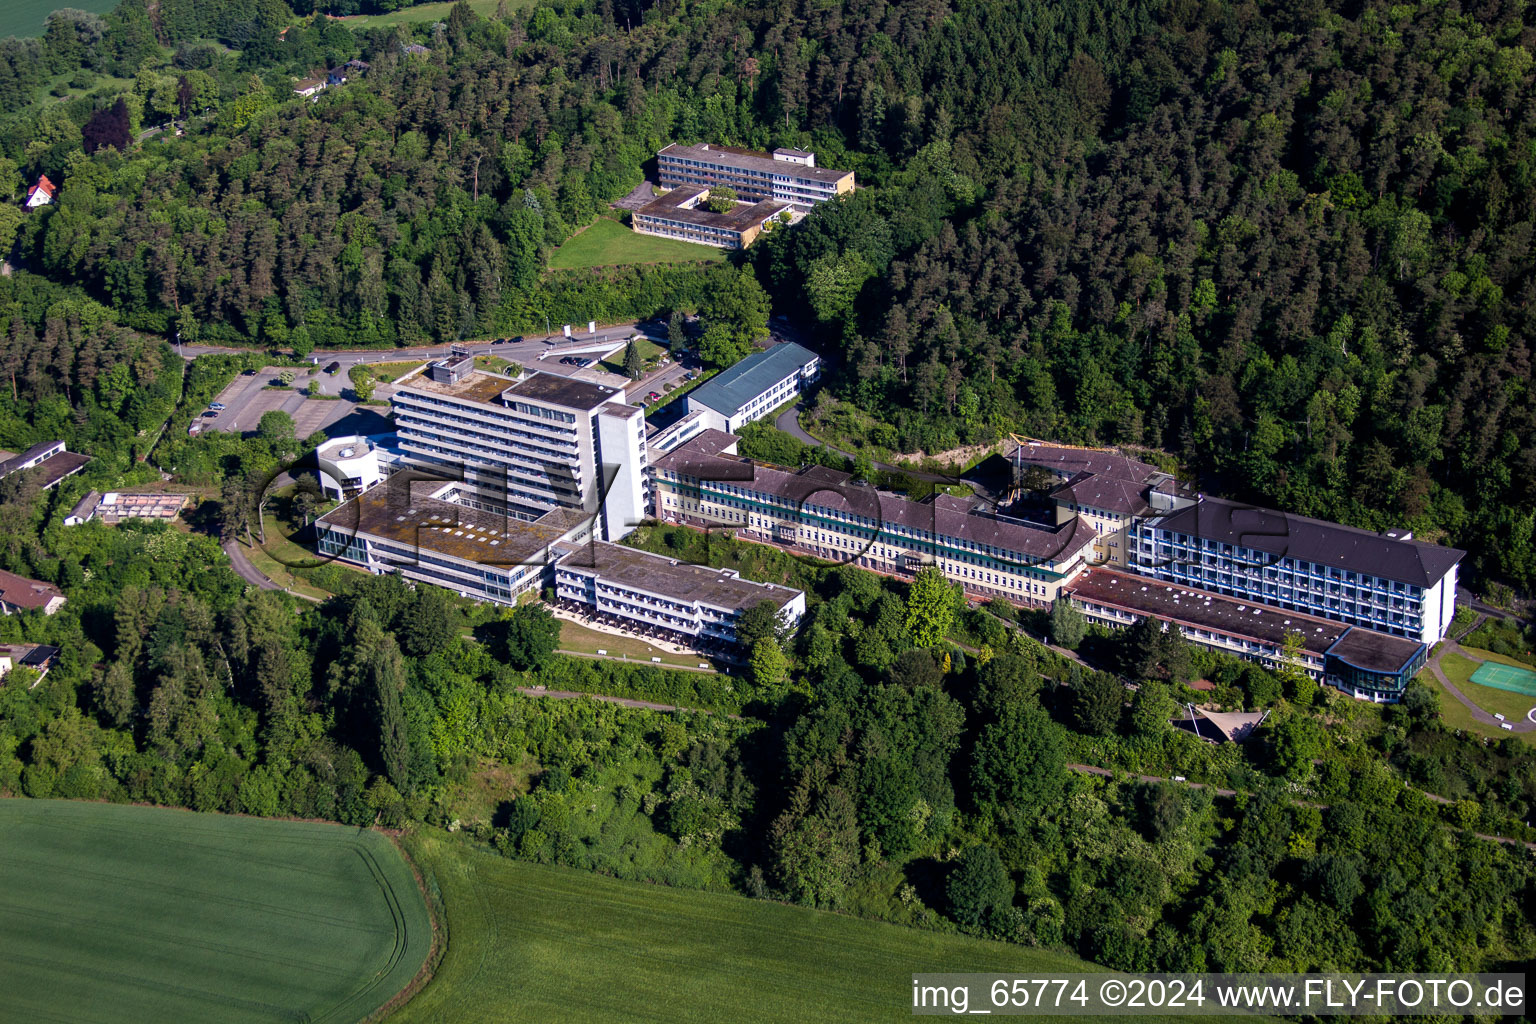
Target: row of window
column 520, row 413
column 416, row 431
column 1182, row 547
column 504, row 427
column 958, row 564
column 870, row 526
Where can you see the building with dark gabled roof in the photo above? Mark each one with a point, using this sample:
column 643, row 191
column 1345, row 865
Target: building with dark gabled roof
column 1363, row 663
column 1110, row 490
column 20, row 594
column 828, row 514
column 51, row 457
column 1387, row 581
column 37, row 657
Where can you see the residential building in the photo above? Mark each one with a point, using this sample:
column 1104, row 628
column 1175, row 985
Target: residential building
column 785, row 175
column 754, row 387
column 422, row 530
column 52, row 457
column 1363, row 663
column 341, row 72
column 1385, row 581
column 687, row 603
column 681, row 215
column 84, row 510
column 37, row 657
column 309, row 88
column 827, row 514
column 41, row 193
column 527, row 446
column 19, row 594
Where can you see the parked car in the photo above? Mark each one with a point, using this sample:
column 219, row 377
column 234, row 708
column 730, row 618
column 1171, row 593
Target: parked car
column 216, row 406
column 653, row 396
column 211, row 414
column 249, row 373
column 516, row 340
column 333, row 368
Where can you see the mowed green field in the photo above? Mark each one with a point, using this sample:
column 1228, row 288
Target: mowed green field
column 427, row 12
column 25, row 17
column 607, row 243
column 125, row 914
column 539, row 944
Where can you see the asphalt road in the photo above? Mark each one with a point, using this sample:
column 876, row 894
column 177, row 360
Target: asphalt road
column 351, row 357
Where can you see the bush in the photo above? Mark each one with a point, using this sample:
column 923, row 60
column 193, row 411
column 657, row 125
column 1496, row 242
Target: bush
column 979, row 885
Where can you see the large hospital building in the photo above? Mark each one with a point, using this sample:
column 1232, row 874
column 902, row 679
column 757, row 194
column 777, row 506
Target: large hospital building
column 534, row 477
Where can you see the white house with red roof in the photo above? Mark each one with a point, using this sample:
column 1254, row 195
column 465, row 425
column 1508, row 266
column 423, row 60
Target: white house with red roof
column 41, row 194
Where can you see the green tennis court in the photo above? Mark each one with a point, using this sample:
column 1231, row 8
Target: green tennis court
column 1506, row 677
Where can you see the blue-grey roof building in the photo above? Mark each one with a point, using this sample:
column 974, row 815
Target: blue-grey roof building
column 754, row 387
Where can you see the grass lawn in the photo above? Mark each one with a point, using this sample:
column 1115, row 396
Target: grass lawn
column 607, row 243
column 23, row 18
column 130, row 914
column 391, row 372
column 576, row 637
column 533, row 943
column 649, row 353
column 285, row 561
column 1512, row 706
column 496, row 364
column 426, row 12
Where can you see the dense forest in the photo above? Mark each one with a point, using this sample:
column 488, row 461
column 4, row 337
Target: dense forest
column 876, row 766
column 1288, row 244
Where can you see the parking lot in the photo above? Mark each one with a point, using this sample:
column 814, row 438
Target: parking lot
column 247, row 399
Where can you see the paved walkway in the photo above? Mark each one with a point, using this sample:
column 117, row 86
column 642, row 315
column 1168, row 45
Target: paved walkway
column 252, row 575
column 628, row 702
column 1088, row 769
column 637, row 197
column 244, row 569
column 635, row 661
column 1523, row 725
